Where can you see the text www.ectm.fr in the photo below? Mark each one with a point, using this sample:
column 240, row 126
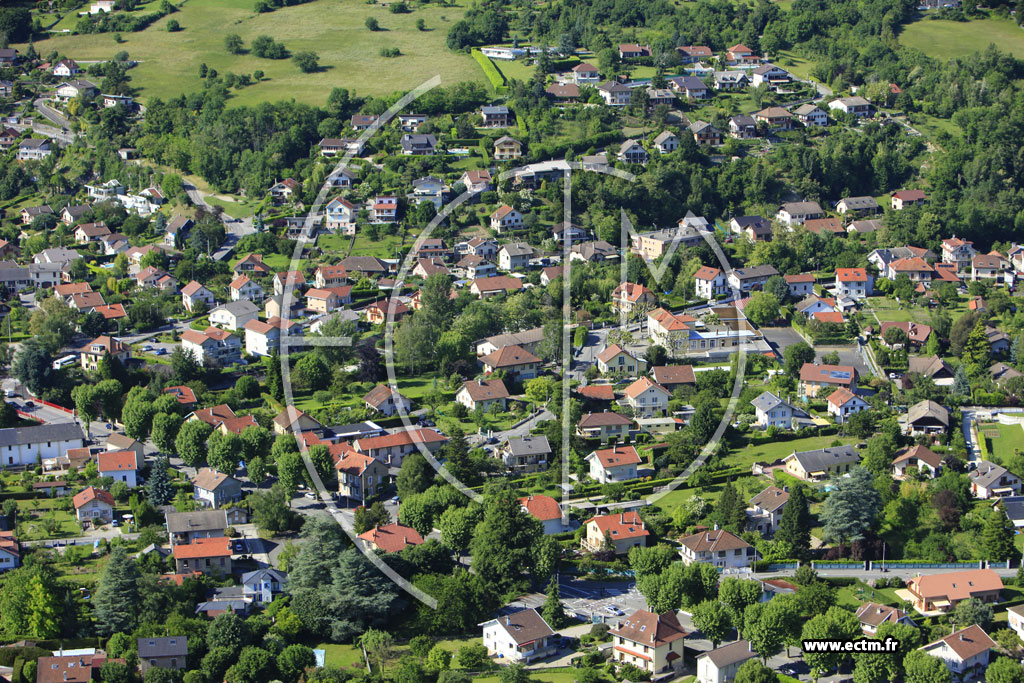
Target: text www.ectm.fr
column 859, row 645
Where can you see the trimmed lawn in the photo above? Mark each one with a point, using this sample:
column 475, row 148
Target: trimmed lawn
column 769, row 452
column 944, row 39
column 796, row 65
column 888, row 309
column 343, row 655
column 1010, row 439
column 349, row 52
column 517, row 69
column 277, row 262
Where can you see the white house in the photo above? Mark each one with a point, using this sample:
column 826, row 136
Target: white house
column 519, row 637
column 853, row 283
column 120, row 466
column 718, row 547
column 20, row 446
column 614, row 464
column 842, row 403
column 244, row 289
column 546, row 510
column 214, row 489
column 234, row 314
column 720, row 665
column 340, row 214
column 193, row 294
column 647, row 398
column 965, row 652
column 765, row 510
column 772, row 411
column 710, row 282
column 506, row 218
column 387, row 401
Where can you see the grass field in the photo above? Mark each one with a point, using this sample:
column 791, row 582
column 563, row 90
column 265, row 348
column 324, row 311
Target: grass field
column 947, row 39
column 1010, row 439
column 888, row 309
column 336, row 31
column 769, row 452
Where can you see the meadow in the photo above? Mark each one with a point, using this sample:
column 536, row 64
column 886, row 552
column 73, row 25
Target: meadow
column 334, row 29
column 944, row 39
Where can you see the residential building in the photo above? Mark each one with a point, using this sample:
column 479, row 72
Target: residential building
column 526, row 454
column 743, row 127
column 519, row 637
column 751, row 278
column 210, row 556
column 988, row 266
column 928, row 418
column 647, row 398
column 632, row 152
column 842, row 403
column 213, row 345
column 545, row 510
column 616, row 359
column 215, row 489
column 690, row 87
column 384, row 209
column 234, row 315
column 775, row 118
column 814, row 376
column 858, row 106
column 387, row 401
column 673, row 376
column 871, row 615
column 904, row 198
column 506, row 219
column 93, row 505
column 188, row 527
column 483, row 393
column 244, row 289
column 989, row 480
column 666, row 142
column 765, row 510
column 193, row 294
column 616, row 464
column 772, row 411
column 648, row 641
column 262, row 337
column 162, row 653
column 800, row 285
column 821, row 464
column 515, row 256
column 617, row 533
column 721, row 664
column 415, row 143
column 391, row 448
column 853, row 283
column 360, row 477
column 770, row 76
column 919, row 457
column 730, row 80
column 263, row 585
column 604, row 426
column 507, row 148
column 1015, row 619
column 669, row 330
column 811, row 115
column 705, row 134
column 497, row 116
column 33, row 149
column 792, row 213
column 585, row 74
column 632, row 51
column 629, row 296
column 965, row 653
column 102, row 347
column 391, row 538
column 717, row 547
column 119, row 466
column 940, row 593
column 615, row 94
column 487, row 287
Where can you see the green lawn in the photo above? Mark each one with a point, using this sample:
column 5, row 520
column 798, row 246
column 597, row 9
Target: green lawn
column 517, row 69
column 888, row 309
column 798, row 66
column 343, row 655
column 1011, row 438
column 277, row 262
column 335, row 30
column 947, row 39
column 769, row 452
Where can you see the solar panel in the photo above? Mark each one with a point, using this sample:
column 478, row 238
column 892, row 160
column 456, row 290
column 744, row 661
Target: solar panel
column 840, row 375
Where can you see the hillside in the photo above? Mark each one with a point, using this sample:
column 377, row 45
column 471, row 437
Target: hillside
column 336, row 31
column 943, row 39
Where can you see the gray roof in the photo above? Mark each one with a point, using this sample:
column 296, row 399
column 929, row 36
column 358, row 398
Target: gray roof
column 267, row 573
column 531, row 336
column 743, row 121
column 202, row 520
column 768, row 401
column 663, row 136
column 740, row 651
column 222, row 605
column 1013, row 506
column 518, row 249
column 823, row 458
column 613, row 86
column 172, row 646
column 34, row 142
column 802, row 208
column 805, row 109
column 986, row 474
column 529, row 445
column 755, row 272
column 860, row 202
column 690, row 83
column 240, row 307
column 928, row 409
column 57, row 431
column 494, row 109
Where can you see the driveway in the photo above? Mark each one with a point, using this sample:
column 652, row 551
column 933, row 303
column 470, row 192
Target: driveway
column 781, row 337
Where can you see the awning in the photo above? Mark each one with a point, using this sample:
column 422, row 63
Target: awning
column 942, row 603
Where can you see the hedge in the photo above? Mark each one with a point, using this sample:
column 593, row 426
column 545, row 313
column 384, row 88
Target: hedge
column 9, row 655
column 495, row 77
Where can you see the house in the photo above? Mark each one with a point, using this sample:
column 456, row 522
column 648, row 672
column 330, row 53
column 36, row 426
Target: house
column 666, row 142
column 65, row 68
column 515, row 256
column 360, row 477
column 647, row 398
column 965, row 652
column 669, row 330
column 563, row 231
column 20, row 446
column 673, row 376
column 958, row 252
column 507, row 148
column 487, row 287
column 616, row 359
column 252, row 263
column 91, row 232
column 770, row 76
column 811, row 115
column 529, row 340
column 483, row 393
column 916, row 334
column 616, row 533
column 263, row 585
column 33, row 149
column 244, row 289
column 705, row 134
column 927, row 417
column 387, row 401
column 1001, row 372
column 691, row 87
column 103, row 347
column 563, row 93
column 648, row 641
column 595, row 251
column 213, row 345
column 520, row 637
column 842, row 403
column 904, row 198
column 920, row 457
column 820, row 225
column 122, row 442
column 70, row 90
column 29, row 213
column 188, row 527
column 86, row 301
column 821, row 464
column 329, row 299
column 546, row 510
column 391, row 538
column 293, row 420
column 871, row 615
column 741, row 53
column 718, row 547
column 383, row 209
column 772, row 411
column 517, row 363
column 330, row 147
column 865, row 226
column 379, row 312
column 988, row 266
column 858, row 206
column 940, row 593
column 93, row 505
column 505, row 219
column 497, row 116
column 915, row 268
column 632, row 152
column 476, row 180
column 193, row 294
column 415, row 143
column 690, row 54
column 814, row 376
column 764, row 512
column 211, row 556
column 261, row 337
column 214, row 489
column 615, row 464
column 857, row 106
column 604, row 426
column 585, row 74
column 163, row 653
column 615, row 94
column 1015, row 618
column 730, row 80
column 391, row 448
column 720, row 665
column 628, row 296
column 526, row 454
column 775, row 118
column 989, row 480
column 119, row 466
column 752, row 278
column 800, row 285
column 633, row 51
column 853, row 283
column 475, row 267
column 743, row 127
column 998, row 341
column 340, row 215
column 234, row 314
column 797, row 212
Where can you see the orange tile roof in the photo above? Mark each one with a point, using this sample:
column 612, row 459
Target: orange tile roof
column 617, row 456
column 117, row 461
column 509, row 356
column 90, row 494
column 393, row 537
column 541, row 507
column 621, row 525
column 641, row 385
column 203, row 547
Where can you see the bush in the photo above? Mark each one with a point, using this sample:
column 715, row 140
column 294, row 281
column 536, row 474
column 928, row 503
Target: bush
column 308, row 62
column 390, row 52
column 173, row 26
column 372, row 24
column 399, row 8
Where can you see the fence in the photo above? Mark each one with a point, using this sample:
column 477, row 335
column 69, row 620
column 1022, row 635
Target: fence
column 839, row 565
column 980, row 564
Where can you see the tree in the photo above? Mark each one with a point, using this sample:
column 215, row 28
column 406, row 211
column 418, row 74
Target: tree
column 270, row 509
column 713, row 620
column 795, row 356
column 165, row 430
column 851, row 507
column 290, row 472
column 753, row 671
column 961, row 384
column 762, row 308
column 553, row 611
column 369, row 517
column 457, row 525
column 795, row 525
column 33, row 366
column 1004, row 670
column 415, row 476
column 115, row 601
column 372, row 24
column 173, row 26
column 647, row 560
column 973, row 611
column 438, row 658
column 307, row 61
column 254, row 664
column 997, row 536
column 378, row 644
column 190, row 443
column 473, row 657
column 502, row 543
column 977, row 350
column 738, row 594
column 223, row 451
column 777, row 286
column 233, row 43
column 923, row 668
column 514, row 673
column 44, row 609
column 313, row 372
column 835, row 624
column 158, row 486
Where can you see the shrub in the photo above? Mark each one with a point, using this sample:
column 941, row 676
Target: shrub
column 173, row 26
column 372, row 24
column 308, row 62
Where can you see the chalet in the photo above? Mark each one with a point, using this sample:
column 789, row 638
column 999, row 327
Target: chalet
column 520, row 637
column 506, row 148
column 415, row 143
column 66, row 68
column 922, row 458
column 690, row 87
column 633, row 51
column 927, row 418
column 362, row 121
column 585, row 74
column 632, row 152
column 497, row 116
column 775, row 118
column 731, row 80
column 857, row 206
column 743, row 127
column 33, row 149
column 770, row 76
column 764, row 513
column 387, row 401
column 797, row 212
column 811, row 115
column 989, row 480
column 525, row 454
column 284, row 190
column 856, row 106
column 483, row 393
column 615, row 94
column 666, row 142
column 705, row 134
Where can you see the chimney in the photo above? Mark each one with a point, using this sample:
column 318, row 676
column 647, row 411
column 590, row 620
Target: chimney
column 962, row 637
column 508, row 621
column 750, row 647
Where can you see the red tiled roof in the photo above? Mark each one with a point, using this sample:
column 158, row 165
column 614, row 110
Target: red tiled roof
column 641, row 385
column 203, row 547
column 541, row 507
column 617, row 456
column 393, row 537
column 851, row 275
column 117, row 461
column 403, row 438
column 509, row 356
column 90, row 494
column 597, row 392
column 621, row 525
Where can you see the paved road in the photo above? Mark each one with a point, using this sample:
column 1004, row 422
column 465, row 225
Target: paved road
column 236, row 227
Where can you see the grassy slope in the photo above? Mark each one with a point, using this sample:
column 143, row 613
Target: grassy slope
column 946, row 39
column 335, row 30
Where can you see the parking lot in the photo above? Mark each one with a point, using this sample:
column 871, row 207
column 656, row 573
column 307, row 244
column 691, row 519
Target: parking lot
column 781, row 337
column 600, row 600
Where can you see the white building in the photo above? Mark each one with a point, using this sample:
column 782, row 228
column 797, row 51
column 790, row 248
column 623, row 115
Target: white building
column 615, row 464
column 720, row 665
column 965, row 653
column 519, row 637
column 21, row 446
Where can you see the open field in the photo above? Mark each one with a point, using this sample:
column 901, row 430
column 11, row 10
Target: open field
column 336, row 31
column 947, row 39
column 1010, row 439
